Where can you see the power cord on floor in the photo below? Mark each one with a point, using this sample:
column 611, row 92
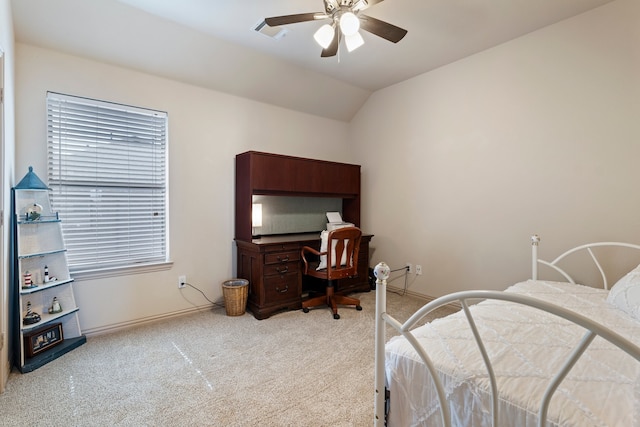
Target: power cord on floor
column 216, row 304
column 406, row 280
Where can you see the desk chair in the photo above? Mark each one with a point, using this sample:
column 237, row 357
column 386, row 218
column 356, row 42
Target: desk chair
column 339, row 263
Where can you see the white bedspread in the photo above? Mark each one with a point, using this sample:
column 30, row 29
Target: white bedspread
column 526, row 346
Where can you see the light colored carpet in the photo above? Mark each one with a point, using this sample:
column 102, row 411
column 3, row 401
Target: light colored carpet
column 209, row 369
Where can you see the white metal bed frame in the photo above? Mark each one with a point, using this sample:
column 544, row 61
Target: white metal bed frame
column 592, row 328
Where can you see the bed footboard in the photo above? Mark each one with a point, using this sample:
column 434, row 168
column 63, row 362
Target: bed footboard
column 467, row 298
column 381, row 272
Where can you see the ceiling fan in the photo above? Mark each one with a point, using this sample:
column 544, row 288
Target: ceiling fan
column 346, row 21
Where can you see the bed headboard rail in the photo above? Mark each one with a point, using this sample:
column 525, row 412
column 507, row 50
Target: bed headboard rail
column 535, row 240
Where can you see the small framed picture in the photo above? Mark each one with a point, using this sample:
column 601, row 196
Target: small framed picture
column 41, row 339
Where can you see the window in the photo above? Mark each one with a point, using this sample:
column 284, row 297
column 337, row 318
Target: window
column 107, row 169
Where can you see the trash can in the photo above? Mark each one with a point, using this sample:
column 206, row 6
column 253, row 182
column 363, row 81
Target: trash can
column 235, row 292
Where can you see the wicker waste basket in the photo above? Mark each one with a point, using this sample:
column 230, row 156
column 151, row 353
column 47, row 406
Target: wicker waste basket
column 235, row 292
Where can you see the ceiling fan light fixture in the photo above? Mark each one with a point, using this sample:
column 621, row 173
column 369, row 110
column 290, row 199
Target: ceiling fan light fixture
column 353, row 41
column 349, row 24
column 324, row 35
column 346, row 23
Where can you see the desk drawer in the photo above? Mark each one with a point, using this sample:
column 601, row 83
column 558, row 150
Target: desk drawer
column 281, row 257
column 284, row 247
column 281, row 268
column 281, row 287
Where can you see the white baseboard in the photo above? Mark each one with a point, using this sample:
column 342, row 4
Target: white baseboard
column 5, row 360
column 426, row 298
column 6, row 372
column 124, row 325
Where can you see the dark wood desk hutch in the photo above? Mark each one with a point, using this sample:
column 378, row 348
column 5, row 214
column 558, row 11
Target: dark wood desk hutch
column 272, row 263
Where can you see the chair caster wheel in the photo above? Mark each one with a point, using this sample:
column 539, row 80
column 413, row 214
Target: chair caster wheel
column 336, row 316
column 359, row 307
column 305, row 310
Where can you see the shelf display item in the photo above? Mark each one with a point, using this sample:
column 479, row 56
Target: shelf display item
column 31, row 317
column 27, row 281
column 42, row 339
column 34, row 212
column 55, row 306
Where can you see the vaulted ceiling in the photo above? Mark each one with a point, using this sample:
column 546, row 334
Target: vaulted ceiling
column 213, row 43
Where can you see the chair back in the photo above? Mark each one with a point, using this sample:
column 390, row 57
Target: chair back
column 346, row 247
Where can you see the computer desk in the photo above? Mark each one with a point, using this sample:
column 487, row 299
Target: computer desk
column 273, row 267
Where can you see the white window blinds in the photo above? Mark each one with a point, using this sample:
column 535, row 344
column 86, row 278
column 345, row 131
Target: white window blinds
column 107, row 169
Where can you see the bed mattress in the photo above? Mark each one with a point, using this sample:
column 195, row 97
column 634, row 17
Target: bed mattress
column 526, row 346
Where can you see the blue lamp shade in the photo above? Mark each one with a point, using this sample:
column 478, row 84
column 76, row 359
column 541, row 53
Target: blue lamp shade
column 31, row 182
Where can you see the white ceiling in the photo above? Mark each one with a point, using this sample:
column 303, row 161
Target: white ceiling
column 211, row 43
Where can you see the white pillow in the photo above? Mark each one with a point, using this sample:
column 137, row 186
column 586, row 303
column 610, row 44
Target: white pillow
column 324, row 242
column 625, row 294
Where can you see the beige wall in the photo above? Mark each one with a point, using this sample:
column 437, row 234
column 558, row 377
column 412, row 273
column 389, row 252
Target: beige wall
column 6, row 176
column 538, row 135
column 460, row 165
column 206, row 130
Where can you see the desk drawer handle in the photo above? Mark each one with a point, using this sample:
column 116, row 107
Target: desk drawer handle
column 285, row 259
column 283, row 290
column 284, row 270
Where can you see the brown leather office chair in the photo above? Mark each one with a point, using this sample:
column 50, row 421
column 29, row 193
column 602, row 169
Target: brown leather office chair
column 330, row 265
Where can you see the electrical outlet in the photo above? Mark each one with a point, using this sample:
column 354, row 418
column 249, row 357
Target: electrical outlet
column 409, row 267
column 182, row 282
column 418, row 269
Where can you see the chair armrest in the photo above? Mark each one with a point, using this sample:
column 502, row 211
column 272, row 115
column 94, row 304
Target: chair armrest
column 308, row 249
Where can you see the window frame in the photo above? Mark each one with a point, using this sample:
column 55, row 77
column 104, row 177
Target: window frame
column 156, row 147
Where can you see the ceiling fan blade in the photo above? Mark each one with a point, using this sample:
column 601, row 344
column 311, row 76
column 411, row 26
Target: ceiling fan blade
column 382, row 29
column 359, row 5
column 293, row 19
column 332, row 49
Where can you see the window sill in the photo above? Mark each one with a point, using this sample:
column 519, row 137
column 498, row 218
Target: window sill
column 120, row 271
